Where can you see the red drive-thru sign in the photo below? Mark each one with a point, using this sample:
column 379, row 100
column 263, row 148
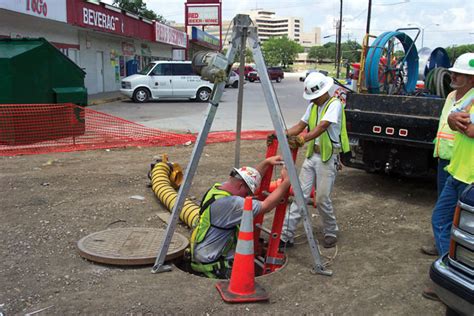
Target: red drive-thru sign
column 107, row 19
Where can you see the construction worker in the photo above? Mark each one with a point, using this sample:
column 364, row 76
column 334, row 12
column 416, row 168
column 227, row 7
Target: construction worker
column 214, row 239
column 444, row 141
column 327, row 137
column 461, row 166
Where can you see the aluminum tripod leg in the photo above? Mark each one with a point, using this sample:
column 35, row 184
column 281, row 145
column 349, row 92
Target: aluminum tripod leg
column 273, row 106
column 218, row 90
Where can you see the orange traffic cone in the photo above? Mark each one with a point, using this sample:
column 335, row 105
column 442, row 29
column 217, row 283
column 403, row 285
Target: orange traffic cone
column 242, row 287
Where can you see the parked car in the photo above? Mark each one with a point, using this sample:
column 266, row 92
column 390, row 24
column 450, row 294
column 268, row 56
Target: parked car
column 274, row 73
column 453, row 273
column 247, row 70
column 166, row 80
column 233, row 80
column 324, row 72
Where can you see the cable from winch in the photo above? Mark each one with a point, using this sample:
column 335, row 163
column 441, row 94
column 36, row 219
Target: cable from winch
column 161, row 175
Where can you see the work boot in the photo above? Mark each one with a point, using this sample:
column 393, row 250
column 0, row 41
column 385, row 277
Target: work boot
column 428, row 293
column 329, row 241
column 429, row 250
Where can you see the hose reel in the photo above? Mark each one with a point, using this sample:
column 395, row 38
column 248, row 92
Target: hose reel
column 386, row 74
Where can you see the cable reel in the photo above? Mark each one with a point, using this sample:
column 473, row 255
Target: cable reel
column 385, row 71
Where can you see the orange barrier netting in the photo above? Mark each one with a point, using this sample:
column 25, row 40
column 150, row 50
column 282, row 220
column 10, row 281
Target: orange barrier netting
column 45, row 128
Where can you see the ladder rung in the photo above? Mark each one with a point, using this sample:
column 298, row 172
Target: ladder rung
column 263, row 228
column 260, row 261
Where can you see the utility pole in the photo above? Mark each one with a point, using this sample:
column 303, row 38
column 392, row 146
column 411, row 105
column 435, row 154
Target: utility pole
column 339, row 33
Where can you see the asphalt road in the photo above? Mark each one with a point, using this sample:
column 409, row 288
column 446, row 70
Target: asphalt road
column 186, row 115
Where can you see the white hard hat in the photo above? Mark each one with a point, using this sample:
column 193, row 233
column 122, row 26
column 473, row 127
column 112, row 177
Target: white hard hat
column 315, row 85
column 464, row 64
column 250, row 176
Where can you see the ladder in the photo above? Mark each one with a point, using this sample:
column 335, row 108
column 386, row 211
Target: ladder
column 244, row 30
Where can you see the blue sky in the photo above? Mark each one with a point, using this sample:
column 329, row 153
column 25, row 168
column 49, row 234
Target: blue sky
column 445, row 23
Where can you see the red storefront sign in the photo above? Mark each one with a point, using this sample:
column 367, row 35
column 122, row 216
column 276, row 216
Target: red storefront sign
column 101, row 18
column 169, row 35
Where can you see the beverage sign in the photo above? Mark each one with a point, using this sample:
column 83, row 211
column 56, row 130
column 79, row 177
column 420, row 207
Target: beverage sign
column 208, row 15
column 46, row 9
column 169, row 35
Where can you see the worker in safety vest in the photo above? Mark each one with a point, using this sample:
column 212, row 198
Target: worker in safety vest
column 461, row 166
column 214, row 240
column 327, row 137
column 457, row 100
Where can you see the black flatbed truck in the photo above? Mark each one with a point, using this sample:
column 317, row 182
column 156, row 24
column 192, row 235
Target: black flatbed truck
column 392, row 134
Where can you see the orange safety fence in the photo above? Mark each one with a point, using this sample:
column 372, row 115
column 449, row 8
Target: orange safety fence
column 46, row 128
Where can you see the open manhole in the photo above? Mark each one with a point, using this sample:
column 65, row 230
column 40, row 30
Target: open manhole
column 129, row 246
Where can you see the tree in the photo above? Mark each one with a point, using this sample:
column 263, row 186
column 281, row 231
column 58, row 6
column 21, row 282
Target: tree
column 351, row 51
column 454, row 51
column 280, row 51
column 139, row 7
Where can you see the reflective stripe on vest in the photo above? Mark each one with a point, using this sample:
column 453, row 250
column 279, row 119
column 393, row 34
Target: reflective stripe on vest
column 325, row 142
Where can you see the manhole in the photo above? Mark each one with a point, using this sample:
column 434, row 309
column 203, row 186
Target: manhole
column 129, row 246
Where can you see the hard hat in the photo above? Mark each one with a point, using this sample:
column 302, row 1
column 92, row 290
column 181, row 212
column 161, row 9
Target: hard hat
column 315, row 85
column 464, row 64
column 250, row 176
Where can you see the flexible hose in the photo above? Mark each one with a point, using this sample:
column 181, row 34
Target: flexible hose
column 163, row 187
column 438, row 82
column 374, row 55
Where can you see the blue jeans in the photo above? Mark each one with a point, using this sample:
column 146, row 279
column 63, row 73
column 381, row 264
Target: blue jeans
column 443, row 213
column 442, row 175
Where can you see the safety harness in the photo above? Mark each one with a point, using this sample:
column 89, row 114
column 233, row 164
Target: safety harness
column 221, row 266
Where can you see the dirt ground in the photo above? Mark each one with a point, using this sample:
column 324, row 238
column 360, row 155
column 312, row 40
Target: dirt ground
column 49, row 202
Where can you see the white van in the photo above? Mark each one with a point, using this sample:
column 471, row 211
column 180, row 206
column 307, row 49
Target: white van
column 166, row 80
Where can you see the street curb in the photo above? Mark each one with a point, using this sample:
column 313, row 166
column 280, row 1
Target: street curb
column 107, row 100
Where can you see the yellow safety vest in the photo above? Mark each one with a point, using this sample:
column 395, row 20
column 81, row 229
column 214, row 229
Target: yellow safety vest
column 444, row 140
column 461, row 166
column 325, row 142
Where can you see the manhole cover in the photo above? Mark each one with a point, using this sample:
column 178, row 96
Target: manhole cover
column 129, row 246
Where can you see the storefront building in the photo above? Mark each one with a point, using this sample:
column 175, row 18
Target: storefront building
column 200, row 41
column 107, row 42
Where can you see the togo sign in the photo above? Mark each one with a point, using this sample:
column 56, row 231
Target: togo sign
column 208, row 15
column 48, row 9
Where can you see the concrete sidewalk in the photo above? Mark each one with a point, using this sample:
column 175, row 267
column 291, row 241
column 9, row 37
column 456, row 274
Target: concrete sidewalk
column 105, row 97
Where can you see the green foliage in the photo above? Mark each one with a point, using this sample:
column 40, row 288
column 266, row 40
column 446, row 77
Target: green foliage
column 351, row 51
column 455, row 51
column 139, row 7
column 280, row 51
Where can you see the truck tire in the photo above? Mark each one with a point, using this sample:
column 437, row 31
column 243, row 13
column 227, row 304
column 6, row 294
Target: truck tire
column 251, row 79
column 278, row 79
column 203, row 94
column 141, row 95
column 235, row 84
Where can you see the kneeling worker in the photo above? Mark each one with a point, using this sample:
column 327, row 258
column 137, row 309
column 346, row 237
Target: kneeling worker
column 214, row 240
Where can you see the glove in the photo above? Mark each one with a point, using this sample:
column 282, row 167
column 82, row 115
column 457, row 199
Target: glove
column 270, row 139
column 295, row 141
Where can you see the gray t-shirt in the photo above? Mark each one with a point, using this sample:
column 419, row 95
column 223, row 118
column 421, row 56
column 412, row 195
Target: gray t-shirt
column 226, row 212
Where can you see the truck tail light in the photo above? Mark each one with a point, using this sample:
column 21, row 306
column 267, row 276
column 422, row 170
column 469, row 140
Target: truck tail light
column 403, row 132
column 376, row 129
column 389, row 131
